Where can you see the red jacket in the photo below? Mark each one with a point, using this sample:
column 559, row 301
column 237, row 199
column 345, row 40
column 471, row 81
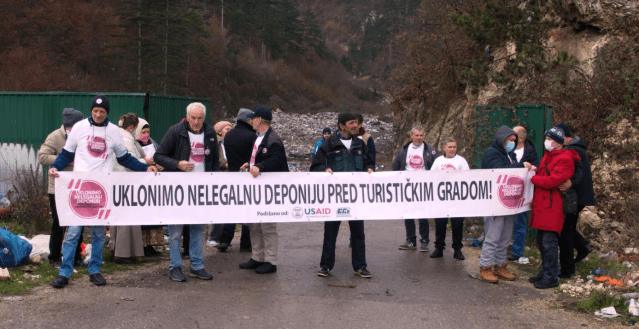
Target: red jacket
column 548, row 206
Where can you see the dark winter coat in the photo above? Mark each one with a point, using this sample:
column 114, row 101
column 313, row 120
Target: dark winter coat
column 238, row 144
column 582, row 179
column 496, row 156
column 530, row 154
column 430, row 154
column 271, row 156
column 176, row 146
column 333, row 148
column 548, row 206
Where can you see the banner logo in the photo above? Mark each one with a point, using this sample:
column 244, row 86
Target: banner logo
column 88, row 199
column 511, row 191
column 317, row 212
column 97, row 147
column 297, row 212
column 343, row 212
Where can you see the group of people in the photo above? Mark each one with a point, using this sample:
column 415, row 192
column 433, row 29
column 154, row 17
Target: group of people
column 564, row 166
column 96, row 144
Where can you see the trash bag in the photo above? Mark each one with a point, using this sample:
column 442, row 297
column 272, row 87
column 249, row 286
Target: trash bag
column 14, row 251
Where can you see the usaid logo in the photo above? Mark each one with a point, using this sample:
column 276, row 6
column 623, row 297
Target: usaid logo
column 511, row 191
column 88, row 199
column 317, row 212
column 343, row 212
column 297, row 212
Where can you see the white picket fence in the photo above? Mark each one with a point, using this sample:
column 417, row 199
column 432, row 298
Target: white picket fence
column 12, row 158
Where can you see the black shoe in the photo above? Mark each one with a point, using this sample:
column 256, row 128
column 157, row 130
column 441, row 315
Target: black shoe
column 323, row 272
column 266, row 268
column 79, row 263
column 458, row 255
column 409, row 245
column 566, row 275
column 580, row 256
column 535, row 278
column 60, row 282
column 97, row 279
column 545, row 284
column 513, row 258
column 364, row 273
column 55, row 264
column 149, row 251
column 439, row 252
column 222, row 246
column 201, row 274
column 185, row 255
column 251, row 264
column 175, row 274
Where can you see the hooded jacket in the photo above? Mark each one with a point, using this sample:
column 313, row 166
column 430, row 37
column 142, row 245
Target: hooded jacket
column 548, row 207
column 530, row 154
column 238, row 144
column 496, row 156
column 430, row 154
column 176, row 146
column 582, row 180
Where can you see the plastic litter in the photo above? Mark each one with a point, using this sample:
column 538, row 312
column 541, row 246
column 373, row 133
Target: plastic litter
column 607, row 313
column 596, row 272
column 523, row 261
column 633, row 307
column 4, row 202
column 12, row 299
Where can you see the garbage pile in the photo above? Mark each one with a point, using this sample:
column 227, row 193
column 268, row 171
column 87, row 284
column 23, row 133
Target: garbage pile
column 299, row 132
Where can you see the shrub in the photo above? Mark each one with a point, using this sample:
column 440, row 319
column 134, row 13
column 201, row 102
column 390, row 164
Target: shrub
column 29, row 205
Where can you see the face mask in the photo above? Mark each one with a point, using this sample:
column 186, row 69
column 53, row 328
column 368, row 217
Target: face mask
column 144, row 138
column 548, row 146
column 510, row 146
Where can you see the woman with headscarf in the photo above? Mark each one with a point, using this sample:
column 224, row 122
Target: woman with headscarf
column 152, row 235
column 126, row 241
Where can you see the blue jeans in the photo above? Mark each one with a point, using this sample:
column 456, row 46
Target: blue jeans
column 71, row 241
column 548, row 242
column 519, row 235
column 195, row 247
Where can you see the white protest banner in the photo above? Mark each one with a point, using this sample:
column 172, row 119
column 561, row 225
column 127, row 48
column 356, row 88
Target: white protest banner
column 125, row 198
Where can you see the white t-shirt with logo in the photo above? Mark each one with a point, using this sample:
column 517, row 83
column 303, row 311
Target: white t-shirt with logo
column 520, row 154
column 94, row 146
column 415, row 157
column 197, row 151
column 454, row 163
column 257, row 143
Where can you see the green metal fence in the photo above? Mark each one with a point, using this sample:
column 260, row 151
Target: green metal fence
column 165, row 111
column 535, row 118
column 28, row 117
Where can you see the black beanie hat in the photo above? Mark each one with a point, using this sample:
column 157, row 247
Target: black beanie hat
column 101, row 101
column 565, row 129
column 70, row 117
column 326, row 130
column 556, row 134
column 344, row 117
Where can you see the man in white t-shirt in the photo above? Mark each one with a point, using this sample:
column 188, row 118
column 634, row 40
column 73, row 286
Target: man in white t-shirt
column 189, row 146
column 449, row 161
column 91, row 146
column 416, row 155
column 268, row 155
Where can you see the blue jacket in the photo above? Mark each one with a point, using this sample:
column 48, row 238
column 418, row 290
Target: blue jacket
column 496, row 156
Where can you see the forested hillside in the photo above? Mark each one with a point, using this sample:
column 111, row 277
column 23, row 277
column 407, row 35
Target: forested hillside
column 301, row 56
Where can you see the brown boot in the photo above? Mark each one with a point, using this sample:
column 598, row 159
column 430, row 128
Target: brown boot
column 486, row 275
column 501, row 272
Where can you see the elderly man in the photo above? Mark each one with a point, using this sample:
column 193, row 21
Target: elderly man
column 345, row 151
column 498, row 229
column 91, row 146
column 268, row 156
column 415, row 155
column 525, row 152
column 581, row 181
column 238, row 144
column 189, row 146
column 47, row 154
